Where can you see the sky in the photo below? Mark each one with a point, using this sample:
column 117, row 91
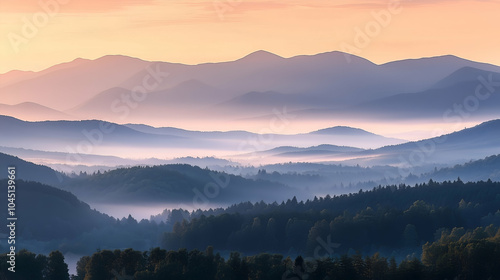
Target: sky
column 38, row 34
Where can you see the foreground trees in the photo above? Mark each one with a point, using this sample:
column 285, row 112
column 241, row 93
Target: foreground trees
column 458, row 254
column 31, row 266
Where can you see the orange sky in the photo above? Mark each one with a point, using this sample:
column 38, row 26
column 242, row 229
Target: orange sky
column 194, row 31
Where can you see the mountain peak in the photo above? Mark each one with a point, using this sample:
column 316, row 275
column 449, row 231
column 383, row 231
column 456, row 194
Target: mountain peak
column 339, row 56
column 119, row 58
column 464, row 74
column 342, row 130
column 260, row 56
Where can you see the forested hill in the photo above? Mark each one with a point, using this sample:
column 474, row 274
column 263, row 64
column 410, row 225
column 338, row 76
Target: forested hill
column 488, row 167
column 29, row 171
column 50, row 218
column 47, row 213
column 400, row 197
column 386, row 218
column 171, row 183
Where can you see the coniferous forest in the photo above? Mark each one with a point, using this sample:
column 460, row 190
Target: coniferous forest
column 448, row 230
column 458, row 254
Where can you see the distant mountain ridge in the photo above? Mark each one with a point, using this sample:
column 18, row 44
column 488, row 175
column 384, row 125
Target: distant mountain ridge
column 65, row 136
column 103, row 138
column 249, row 87
column 461, row 146
column 479, row 141
column 32, row 112
column 434, row 103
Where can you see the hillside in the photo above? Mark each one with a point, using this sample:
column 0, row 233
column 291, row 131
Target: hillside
column 461, row 146
column 179, row 183
column 483, row 169
column 52, row 219
column 48, row 213
column 29, row 171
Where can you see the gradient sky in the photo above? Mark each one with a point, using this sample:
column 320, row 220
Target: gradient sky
column 209, row 31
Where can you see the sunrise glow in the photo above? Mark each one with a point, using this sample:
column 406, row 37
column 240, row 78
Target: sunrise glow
column 39, row 34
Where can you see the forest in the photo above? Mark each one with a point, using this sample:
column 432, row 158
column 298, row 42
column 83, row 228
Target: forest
column 435, row 230
column 387, row 219
column 458, row 254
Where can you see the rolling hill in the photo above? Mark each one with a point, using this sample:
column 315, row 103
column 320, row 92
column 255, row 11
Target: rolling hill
column 79, row 137
column 50, row 214
column 78, row 140
column 473, row 171
column 461, row 146
column 178, row 183
column 29, row 171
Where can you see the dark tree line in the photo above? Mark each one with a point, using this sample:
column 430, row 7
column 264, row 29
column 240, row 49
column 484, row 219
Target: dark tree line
column 384, row 219
column 458, row 254
column 30, row 266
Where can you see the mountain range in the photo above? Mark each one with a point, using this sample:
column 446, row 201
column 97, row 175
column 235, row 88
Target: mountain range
column 468, row 144
column 79, row 139
column 390, row 161
column 263, row 133
column 232, row 94
column 102, row 143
